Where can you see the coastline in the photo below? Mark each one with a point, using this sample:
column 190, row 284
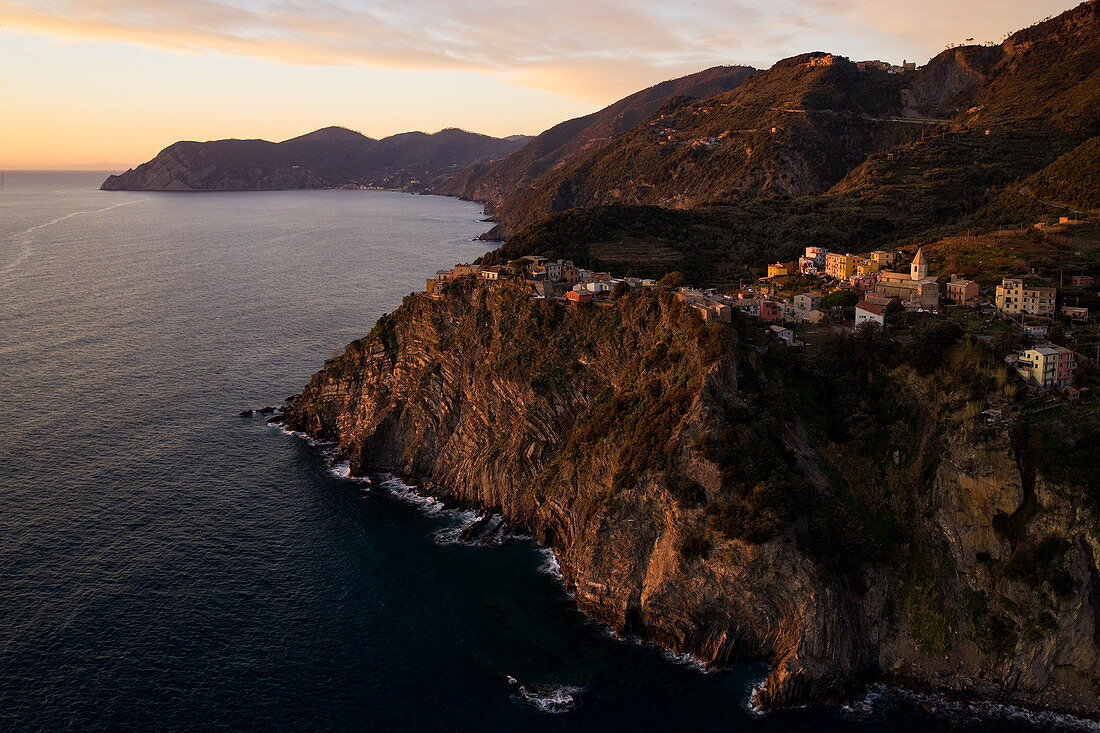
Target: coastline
column 951, row 706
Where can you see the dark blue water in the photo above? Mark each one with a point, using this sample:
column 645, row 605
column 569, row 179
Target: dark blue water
column 166, row 564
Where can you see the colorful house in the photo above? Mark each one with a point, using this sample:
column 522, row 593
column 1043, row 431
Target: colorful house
column 1047, row 367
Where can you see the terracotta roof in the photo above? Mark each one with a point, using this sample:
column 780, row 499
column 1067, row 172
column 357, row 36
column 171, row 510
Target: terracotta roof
column 863, row 305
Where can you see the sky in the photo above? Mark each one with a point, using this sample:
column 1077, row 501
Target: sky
column 106, row 84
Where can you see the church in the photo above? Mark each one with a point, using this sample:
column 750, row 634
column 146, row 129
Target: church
column 914, row 289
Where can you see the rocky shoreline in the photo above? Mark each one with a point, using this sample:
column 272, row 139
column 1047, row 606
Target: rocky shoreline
column 484, row 396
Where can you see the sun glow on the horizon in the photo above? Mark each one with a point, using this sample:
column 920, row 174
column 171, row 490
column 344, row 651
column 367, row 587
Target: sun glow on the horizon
column 111, row 82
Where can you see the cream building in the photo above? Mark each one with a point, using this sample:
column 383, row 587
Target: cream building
column 1013, row 297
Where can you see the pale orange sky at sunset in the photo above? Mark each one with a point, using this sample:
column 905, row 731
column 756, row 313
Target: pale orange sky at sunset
column 108, row 83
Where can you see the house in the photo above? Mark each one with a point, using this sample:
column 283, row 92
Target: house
column 870, row 313
column 490, row 273
column 866, row 266
column 883, row 300
column 807, row 301
column 712, row 312
column 839, row 266
column 770, row 311
column 598, row 286
column 960, row 291
column 815, row 315
column 748, row 306
column 579, row 296
column 807, row 266
column 1077, row 313
column 465, row 270
column 1013, row 297
column 689, row 295
column 1047, row 366
column 778, row 270
column 864, row 283
column 1083, row 281
column 883, row 258
column 1037, row 329
column 785, row 335
column 721, row 310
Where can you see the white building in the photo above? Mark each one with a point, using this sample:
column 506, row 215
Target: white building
column 870, row 313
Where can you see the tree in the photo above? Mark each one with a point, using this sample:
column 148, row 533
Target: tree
column 840, row 299
column 673, row 279
column 621, row 288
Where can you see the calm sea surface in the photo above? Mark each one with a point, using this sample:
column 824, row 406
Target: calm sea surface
column 166, row 564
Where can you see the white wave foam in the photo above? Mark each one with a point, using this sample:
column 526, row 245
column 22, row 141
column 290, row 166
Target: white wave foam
column 752, row 702
column 868, row 707
column 965, row 713
column 550, row 699
column 685, row 659
column 452, row 534
column 430, row 505
column 301, row 436
column 342, row 470
column 550, row 564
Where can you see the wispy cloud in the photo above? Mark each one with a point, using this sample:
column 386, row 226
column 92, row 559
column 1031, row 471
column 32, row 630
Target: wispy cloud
column 580, row 48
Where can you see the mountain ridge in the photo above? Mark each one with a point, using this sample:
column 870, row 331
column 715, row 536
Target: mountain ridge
column 330, row 157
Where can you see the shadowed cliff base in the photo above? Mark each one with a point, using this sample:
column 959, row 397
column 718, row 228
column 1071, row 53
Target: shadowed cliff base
column 725, row 496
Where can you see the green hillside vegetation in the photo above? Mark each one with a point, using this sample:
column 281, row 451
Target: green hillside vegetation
column 1071, row 181
column 713, row 246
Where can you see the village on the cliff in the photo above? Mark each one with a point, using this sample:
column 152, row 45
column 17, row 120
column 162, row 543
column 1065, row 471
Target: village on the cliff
column 850, row 292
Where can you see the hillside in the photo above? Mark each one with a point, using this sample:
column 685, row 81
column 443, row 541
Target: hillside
column 327, row 158
column 492, row 184
column 793, row 130
column 859, row 158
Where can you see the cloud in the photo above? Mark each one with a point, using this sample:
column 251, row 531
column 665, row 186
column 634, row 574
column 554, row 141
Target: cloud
column 589, row 49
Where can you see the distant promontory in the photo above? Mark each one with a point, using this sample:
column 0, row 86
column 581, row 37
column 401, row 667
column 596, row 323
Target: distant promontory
column 333, row 157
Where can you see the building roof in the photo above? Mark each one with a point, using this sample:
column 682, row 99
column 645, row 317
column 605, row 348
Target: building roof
column 919, row 259
column 877, row 310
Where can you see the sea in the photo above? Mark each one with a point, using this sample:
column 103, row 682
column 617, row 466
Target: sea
column 167, row 564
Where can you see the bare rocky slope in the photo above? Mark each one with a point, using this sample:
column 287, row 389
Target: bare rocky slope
column 327, row 158
column 825, row 512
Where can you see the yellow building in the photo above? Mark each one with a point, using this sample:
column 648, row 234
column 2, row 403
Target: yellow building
column 1013, row 297
column 840, row 266
column 866, row 266
column 778, row 270
column 883, row 258
column 1047, row 366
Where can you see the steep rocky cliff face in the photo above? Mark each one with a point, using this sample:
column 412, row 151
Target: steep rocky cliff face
column 695, row 499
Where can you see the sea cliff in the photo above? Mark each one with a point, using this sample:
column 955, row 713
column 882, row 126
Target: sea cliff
column 702, row 489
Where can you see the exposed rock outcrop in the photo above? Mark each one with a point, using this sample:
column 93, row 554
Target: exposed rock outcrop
column 606, row 431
